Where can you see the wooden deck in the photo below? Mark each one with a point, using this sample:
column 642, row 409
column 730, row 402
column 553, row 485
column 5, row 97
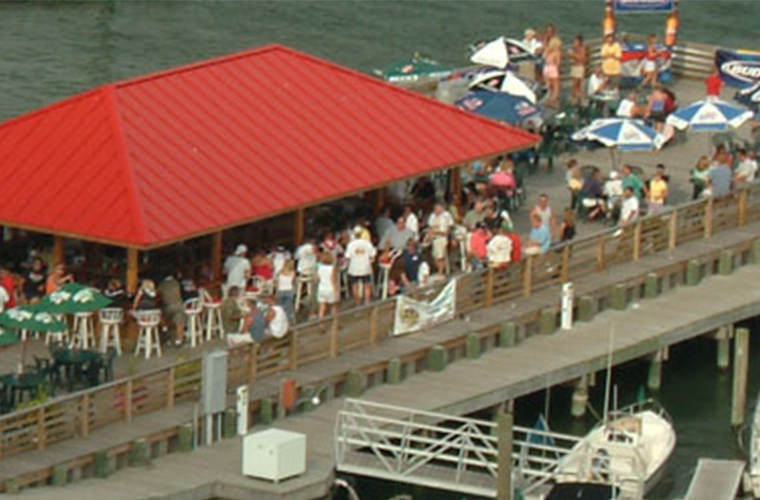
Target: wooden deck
column 464, row 387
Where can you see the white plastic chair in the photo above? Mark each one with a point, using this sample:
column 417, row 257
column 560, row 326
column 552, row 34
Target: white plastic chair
column 111, row 319
column 193, row 311
column 83, row 336
column 212, row 315
column 148, row 339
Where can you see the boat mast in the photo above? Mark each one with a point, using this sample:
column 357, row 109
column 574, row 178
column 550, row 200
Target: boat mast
column 608, row 382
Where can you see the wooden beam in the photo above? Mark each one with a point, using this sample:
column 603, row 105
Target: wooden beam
column 378, row 201
column 504, row 425
column 216, row 254
column 132, row 270
column 708, row 219
column 59, row 250
column 298, row 226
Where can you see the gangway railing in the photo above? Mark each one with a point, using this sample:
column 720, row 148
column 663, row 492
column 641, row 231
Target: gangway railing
column 461, row 454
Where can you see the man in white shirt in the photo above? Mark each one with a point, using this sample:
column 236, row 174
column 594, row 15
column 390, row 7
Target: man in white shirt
column 746, row 167
column 499, row 250
column 360, row 254
column 440, row 223
column 597, row 83
column 306, row 258
column 630, row 210
column 237, row 267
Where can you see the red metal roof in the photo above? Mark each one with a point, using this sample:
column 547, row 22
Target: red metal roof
column 184, row 152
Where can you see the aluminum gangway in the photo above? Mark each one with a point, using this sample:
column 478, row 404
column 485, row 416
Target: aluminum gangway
column 715, row 480
column 460, row 454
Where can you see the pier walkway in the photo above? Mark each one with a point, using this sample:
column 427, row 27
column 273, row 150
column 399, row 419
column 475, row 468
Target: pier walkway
column 716, row 480
column 495, row 376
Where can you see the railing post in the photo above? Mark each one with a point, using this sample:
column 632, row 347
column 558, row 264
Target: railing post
column 637, row 241
column 600, row 254
column 565, row 276
column 293, row 350
column 708, row 218
column 253, row 362
column 489, row 287
column 1, row 441
column 673, row 230
column 528, row 276
column 334, row 336
column 84, row 415
column 128, row 401
column 742, row 212
column 170, row 379
column 41, row 436
column 373, row 325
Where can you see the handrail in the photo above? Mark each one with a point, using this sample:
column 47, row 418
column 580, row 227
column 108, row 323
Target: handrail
column 42, row 425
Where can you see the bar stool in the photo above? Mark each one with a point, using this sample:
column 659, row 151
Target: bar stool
column 193, row 311
column 147, row 337
column 111, row 319
column 213, row 315
column 84, row 330
column 304, row 283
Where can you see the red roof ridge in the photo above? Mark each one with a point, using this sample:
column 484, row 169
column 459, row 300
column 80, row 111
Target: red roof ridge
column 138, row 214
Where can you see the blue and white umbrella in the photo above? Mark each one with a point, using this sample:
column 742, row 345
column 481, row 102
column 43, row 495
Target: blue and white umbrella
column 712, row 115
column 623, row 134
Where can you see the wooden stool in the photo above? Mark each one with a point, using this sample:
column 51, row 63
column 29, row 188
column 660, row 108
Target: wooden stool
column 84, row 331
column 384, row 272
column 111, row 319
column 193, row 311
column 304, row 283
column 213, row 315
column 147, row 338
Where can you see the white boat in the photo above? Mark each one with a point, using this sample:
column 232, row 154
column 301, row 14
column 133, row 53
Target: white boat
column 628, row 450
column 753, row 460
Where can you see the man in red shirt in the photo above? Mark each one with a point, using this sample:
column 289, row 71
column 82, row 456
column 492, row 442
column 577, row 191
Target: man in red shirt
column 478, row 241
column 714, row 84
column 7, row 282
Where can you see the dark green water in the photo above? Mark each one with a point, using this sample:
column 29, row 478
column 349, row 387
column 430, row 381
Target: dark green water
column 49, row 50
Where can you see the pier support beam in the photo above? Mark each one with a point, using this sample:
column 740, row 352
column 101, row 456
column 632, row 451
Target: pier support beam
column 580, row 398
column 508, row 335
column 741, row 366
column 654, row 380
column 723, row 336
column 504, row 477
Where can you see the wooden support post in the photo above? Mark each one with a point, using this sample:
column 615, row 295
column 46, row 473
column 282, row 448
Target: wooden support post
column 84, row 415
column 298, row 226
column 132, row 270
column 253, row 361
column 741, row 366
column 580, row 398
column 708, row 218
column 293, row 350
column 334, row 337
column 373, row 325
column 170, row 379
column 673, row 230
column 59, row 250
column 489, row 287
column 504, row 425
column 742, row 212
column 528, row 277
column 724, row 347
column 654, row 379
column 565, row 272
column 41, row 434
column 378, row 202
column 217, row 242
column 600, row 254
column 637, row 241
column 128, row 401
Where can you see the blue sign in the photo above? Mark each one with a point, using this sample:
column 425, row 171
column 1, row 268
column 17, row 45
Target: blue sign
column 738, row 68
column 628, row 6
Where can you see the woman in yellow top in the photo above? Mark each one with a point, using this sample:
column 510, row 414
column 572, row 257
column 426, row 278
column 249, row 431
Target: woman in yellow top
column 612, row 55
column 657, row 193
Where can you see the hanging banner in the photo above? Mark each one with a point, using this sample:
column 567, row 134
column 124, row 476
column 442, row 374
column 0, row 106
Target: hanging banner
column 414, row 315
column 738, row 68
column 631, row 6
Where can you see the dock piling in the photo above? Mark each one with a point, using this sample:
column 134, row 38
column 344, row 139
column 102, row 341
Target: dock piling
column 504, row 478
column 393, row 371
column 619, row 298
column 654, row 380
column 723, row 336
column 741, row 366
column 580, row 398
column 508, row 335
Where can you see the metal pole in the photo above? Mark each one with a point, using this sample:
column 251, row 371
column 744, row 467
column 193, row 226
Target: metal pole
column 504, row 478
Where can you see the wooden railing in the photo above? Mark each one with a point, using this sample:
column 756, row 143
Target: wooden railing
column 80, row 413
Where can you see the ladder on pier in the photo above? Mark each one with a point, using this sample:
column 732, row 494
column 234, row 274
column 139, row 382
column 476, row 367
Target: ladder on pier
column 715, row 480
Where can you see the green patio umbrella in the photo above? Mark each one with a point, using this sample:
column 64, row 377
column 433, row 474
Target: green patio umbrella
column 74, row 298
column 411, row 70
column 33, row 318
column 7, row 338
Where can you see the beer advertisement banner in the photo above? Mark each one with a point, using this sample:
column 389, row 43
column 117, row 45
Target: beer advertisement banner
column 415, row 315
column 738, row 68
column 631, row 6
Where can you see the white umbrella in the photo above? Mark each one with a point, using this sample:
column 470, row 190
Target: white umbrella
column 500, row 52
column 710, row 115
column 504, row 81
column 621, row 134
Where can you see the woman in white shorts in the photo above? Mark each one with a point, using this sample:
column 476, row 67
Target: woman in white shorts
column 327, row 284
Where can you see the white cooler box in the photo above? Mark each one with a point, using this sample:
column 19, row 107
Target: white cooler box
column 274, row 454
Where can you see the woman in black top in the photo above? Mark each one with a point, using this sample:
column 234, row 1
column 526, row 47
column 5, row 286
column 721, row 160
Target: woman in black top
column 34, row 282
column 146, row 300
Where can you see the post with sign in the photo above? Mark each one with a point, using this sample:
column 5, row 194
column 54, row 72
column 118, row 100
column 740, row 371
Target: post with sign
column 213, row 391
column 568, row 296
